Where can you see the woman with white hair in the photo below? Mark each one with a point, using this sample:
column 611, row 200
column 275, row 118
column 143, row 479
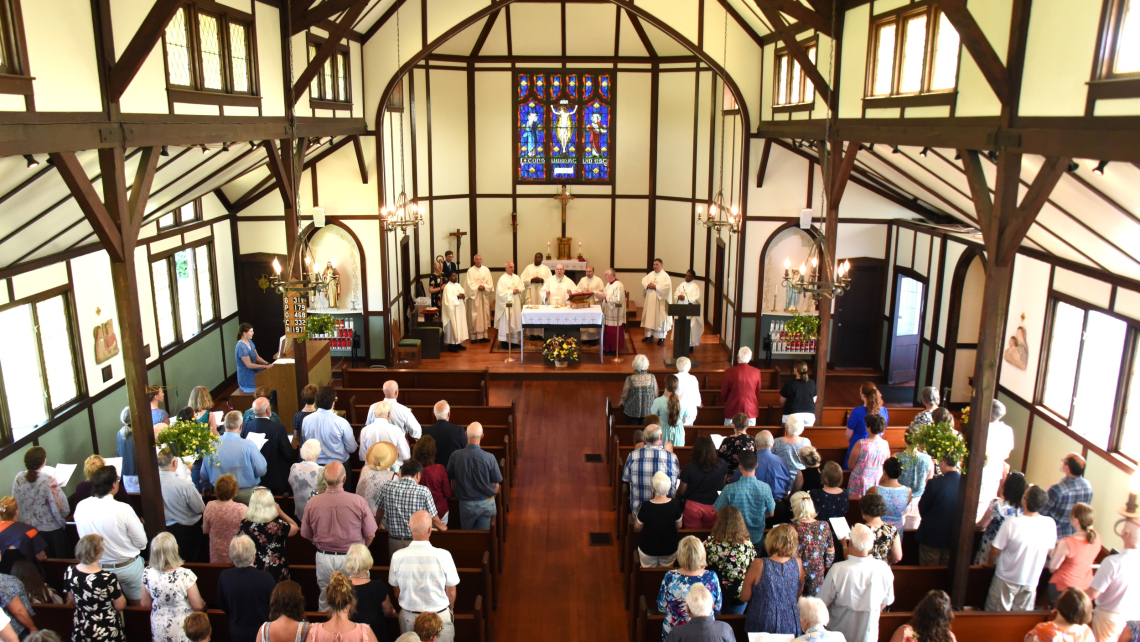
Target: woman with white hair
column 244, row 592
column 701, row 627
column 816, row 543
column 372, row 603
column 930, row 400
column 268, row 526
column 797, row 397
column 658, row 520
column 856, row 589
column 813, row 618
column 639, row 391
column 169, row 590
column 688, row 388
column 788, row 446
column 303, row 476
column 379, row 429
column 692, row 571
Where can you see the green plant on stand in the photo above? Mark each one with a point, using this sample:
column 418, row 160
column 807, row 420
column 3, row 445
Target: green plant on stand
column 803, row 325
column 318, row 324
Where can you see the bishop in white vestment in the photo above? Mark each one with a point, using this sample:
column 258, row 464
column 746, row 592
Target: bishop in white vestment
column 558, row 288
column 508, row 322
column 480, row 294
column 454, row 314
column 658, row 289
column 591, row 283
column 533, row 277
column 613, row 309
column 690, row 293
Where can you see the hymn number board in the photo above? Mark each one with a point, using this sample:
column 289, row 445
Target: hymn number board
column 296, row 312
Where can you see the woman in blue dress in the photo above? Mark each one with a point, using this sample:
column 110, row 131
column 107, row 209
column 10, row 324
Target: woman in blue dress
column 856, row 419
column 773, row 585
column 248, row 362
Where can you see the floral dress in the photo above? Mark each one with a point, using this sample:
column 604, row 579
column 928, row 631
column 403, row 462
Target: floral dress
column 435, row 281
column 41, row 506
column 817, row 553
column 370, row 483
column 731, row 448
column 270, row 541
column 1001, row 511
column 869, row 467
column 95, row 616
column 10, row 589
column 773, row 608
column 171, row 606
column 885, row 535
column 924, row 418
column 671, row 597
column 916, row 467
column 896, row 500
column 224, row 519
column 303, row 480
column 1050, row 632
column 730, row 562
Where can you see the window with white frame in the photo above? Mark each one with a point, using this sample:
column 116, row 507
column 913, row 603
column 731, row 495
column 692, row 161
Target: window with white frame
column 183, row 293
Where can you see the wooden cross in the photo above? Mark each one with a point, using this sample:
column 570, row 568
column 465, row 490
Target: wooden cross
column 564, row 197
column 458, row 242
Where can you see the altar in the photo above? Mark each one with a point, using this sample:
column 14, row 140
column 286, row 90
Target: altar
column 552, row 318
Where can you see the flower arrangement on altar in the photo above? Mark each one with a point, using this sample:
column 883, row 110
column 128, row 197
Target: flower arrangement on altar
column 560, row 348
column 940, row 439
column 187, row 438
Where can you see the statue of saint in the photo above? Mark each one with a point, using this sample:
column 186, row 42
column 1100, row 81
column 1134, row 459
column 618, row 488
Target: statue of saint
column 332, row 283
column 791, row 299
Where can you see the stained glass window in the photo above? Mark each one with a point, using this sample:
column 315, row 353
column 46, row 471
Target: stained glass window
column 564, row 125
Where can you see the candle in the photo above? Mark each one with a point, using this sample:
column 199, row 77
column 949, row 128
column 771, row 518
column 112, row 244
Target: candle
column 276, row 267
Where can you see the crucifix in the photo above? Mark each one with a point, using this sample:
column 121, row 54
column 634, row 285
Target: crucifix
column 458, row 241
column 564, row 198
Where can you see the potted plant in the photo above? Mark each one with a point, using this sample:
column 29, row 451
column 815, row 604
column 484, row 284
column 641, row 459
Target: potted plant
column 803, row 325
column 188, row 440
column 561, row 350
column 317, row 325
column 940, row 440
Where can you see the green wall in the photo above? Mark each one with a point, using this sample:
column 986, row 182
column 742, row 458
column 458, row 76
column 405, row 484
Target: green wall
column 376, row 334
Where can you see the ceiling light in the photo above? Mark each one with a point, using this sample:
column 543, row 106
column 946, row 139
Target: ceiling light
column 957, row 155
column 164, row 152
column 225, row 147
column 895, row 150
column 205, row 150
column 251, row 144
column 32, row 162
column 1073, row 167
column 1099, row 171
column 992, row 155
column 924, row 152
column 871, row 147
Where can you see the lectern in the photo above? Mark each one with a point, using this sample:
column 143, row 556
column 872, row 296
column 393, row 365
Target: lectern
column 682, row 329
column 283, row 377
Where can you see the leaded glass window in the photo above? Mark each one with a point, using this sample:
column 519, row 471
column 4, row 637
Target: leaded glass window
column 564, row 126
column 912, row 52
column 792, row 86
column 178, row 50
column 331, row 82
column 183, row 293
column 208, row 51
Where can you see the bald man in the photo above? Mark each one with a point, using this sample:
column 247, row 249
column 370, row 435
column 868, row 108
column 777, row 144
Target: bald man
column 423, row 579
column 334, row 521
column 508, row 322
column 558, row 288
column 593, row 284
column 480, row 295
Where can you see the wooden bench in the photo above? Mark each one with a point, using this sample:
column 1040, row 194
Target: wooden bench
column 830, row 442
column 411, row 378
column 411, row 397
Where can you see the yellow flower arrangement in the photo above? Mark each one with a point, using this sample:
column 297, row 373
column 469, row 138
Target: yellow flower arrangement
column 188, row 438
column 560, row 348
column 940, row 440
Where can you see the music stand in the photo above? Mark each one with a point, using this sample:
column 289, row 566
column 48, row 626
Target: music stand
column 681, row 312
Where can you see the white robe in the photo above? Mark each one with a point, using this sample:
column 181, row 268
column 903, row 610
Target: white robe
column 533, row 292
column 655, row 317
column 479, row 303
column 613, row 305
column 454, row 314
column 692, row 293
column 557, row 290
column 598, row 287
column 504, row 292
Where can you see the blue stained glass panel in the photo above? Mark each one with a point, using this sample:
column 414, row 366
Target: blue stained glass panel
column 587, row 87
column 555, row 86
column 564, row 135
column 532, row 140
column 539, row 86
column 524, row 85
column 604, row 85
column 565, row 121
column 596, row 141
column 572, row 85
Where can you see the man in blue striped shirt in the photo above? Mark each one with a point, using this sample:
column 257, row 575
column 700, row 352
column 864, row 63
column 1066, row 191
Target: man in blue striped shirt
column 750, row 496
column 643, row 462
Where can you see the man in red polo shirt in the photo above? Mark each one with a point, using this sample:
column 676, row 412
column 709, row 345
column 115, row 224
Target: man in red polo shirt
column 740, row 388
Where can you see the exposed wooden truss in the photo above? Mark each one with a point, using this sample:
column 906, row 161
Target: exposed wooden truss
column 329, row 47
column 140, row 46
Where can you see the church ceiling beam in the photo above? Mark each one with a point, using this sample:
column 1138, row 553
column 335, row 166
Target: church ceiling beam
column 795, row 49
column 763, row 169
column 980, row 48
column 383, row 20
column 360, row 162
column 742, row 23
column 809, row 17
column 257, row 192
column 140, row 46
column 640, row 30
column 313, row 17
column 485, row 33
column 328, row 47
column 73, row 175
column 277, row 171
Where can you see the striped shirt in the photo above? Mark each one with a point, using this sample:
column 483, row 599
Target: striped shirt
column 422, row 572
column 401, row 498
column 753, row 498
column 639, row 469
column 1062, row 497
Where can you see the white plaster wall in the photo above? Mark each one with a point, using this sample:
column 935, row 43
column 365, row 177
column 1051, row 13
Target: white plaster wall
column 61, row 54
column 147, row 92
column 1028, row 296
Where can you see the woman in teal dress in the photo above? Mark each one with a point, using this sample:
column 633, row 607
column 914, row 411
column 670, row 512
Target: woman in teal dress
column 673, row 414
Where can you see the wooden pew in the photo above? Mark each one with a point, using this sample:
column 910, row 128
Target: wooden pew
column 898, row 416
column 830, row 442
column 461, row 415
column 455, row 379
column 769, row 379
column 492, row 435
column 412, row 396
column 713, row 415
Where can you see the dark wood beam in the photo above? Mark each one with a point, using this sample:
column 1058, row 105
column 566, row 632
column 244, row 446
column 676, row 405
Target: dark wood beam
column 257, row 193
column 800, row 13
column 327, row 48
column 1035, row 198
column 297, row 9
column 140, row 46
column 975, row 41
column 764, row 163
column 277, row 171
column 360, row 162
column 383, row 20
column 140, row 190
column 72, row 173
column 315, row 16
column 842, row 173
column 485, row 33
column 640, row 30
column 796, row 50
column 225, row 200
column 742, row 23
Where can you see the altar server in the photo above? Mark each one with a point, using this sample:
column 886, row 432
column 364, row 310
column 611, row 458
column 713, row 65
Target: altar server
column 480, row 294
column 591, row 283
column 689, row 293
column 613, row 307
column 558, row 288
column 509, row 322
column 658, row 289
column 454, row 314
column 533, row 277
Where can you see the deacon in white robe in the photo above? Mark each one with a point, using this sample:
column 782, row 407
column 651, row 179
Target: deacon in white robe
column 533, row 277
column 658, row 289
column 690, row 293
column 480, row 295
column 613, row 309
column 454, row 314
column 558, row 288
column 591, row 283
column 508, row 322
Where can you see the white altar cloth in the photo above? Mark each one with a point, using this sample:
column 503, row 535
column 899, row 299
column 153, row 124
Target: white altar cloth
column 542, row 316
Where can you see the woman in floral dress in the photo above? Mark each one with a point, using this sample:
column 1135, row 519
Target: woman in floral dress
column 739, row 442
column 222, row 519
column 867, row 457
column 268, row 526
column 729, row 552
column 169, row 590
column 893, row 492
column 888, row 539
column 43, row 506
column 816, row 543
column 305, row 475
column 671, row 598
column 96, row 594
column 999, row 510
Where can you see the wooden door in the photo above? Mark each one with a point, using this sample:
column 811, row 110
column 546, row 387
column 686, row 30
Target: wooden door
column 718, row 289
column 906, row 330
column 858, row 318
column 261, row 305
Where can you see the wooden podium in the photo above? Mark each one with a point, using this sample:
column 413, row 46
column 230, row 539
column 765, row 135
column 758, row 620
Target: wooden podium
column 288, row 380
column 681, row 312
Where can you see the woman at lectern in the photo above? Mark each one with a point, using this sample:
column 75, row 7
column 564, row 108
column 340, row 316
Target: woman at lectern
column 248, row 361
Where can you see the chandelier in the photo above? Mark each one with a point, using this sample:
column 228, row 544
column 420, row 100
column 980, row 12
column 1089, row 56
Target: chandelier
column 720, row 216
column 309, row 284
column 402, row 215
column 824, row 278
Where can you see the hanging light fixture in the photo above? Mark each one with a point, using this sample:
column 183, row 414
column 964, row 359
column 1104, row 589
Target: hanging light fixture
column 310, row 282
column 721, row 215
column 403, row 214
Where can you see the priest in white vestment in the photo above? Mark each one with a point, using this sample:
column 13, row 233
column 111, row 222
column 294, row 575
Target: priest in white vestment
column 558, row 288
column 591, row 283
column 533, row 277
column 454, row 314
column 508, row 321
column 658, row 289
column 480, row 294
column 690, row 293
column 856, row 590
column 613, row 309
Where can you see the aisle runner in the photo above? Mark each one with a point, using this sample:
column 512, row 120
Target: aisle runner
column 534, row 347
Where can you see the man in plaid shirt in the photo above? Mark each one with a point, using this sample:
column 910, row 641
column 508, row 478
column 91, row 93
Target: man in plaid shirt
column 401, row 498
column 1071, row 490
column 643, row 462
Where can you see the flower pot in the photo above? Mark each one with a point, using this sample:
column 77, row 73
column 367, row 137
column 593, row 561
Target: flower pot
column 558, row 363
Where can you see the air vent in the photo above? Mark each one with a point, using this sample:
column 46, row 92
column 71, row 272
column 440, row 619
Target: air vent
column 601, row 539
column 593, row 458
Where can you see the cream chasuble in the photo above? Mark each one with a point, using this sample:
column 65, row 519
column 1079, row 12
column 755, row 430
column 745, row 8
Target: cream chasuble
column 454, row 314
column 504, row 292
column 613, row 305
column 533, row 290
column 598, row 287
column 655, row 318
column 557, row 291
column 479, row 302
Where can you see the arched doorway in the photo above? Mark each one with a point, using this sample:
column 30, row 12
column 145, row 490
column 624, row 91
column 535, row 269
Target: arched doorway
column 963, row 320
